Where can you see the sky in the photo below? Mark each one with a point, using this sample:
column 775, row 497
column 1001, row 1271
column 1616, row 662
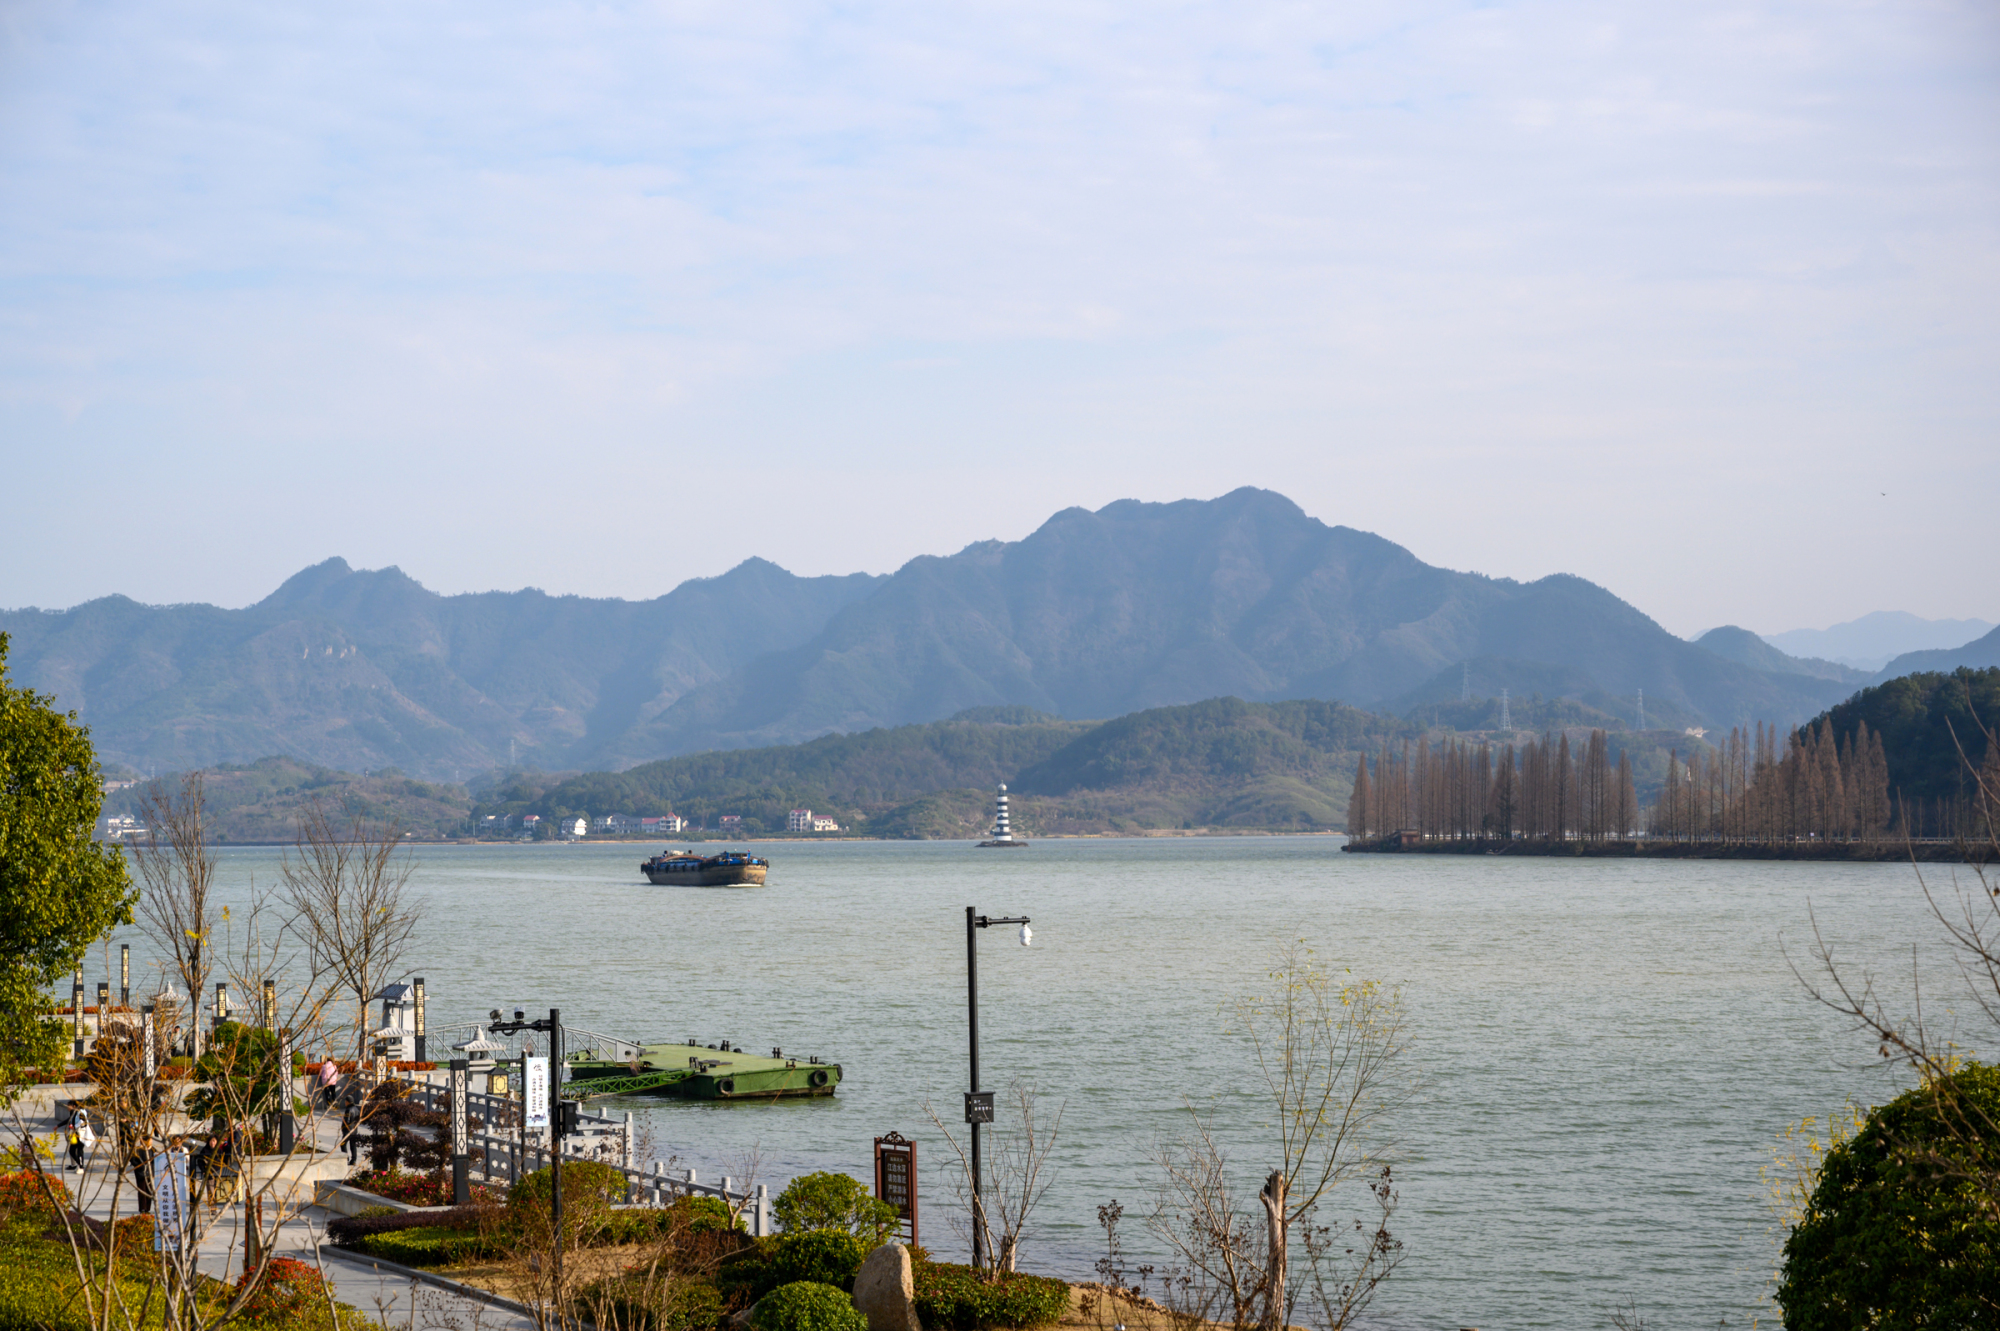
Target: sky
column 1700, row 301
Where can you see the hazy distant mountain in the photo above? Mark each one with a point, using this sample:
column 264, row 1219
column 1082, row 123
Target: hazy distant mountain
column 1092, row 616
column 366, row 669
column 1870, row 642
column 1976, row 655
column 1143, row 605
column 1746, row 648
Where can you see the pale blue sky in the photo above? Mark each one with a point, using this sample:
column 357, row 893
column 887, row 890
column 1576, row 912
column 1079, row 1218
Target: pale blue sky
column 600, row 297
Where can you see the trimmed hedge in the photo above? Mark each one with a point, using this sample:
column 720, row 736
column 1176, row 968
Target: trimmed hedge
column 347, row 1229
column 808, row 1305
column 430, row 1245
column 951, row 1297
column 818, row 1256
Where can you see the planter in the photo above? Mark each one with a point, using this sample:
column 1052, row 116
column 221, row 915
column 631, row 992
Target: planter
column 292, row 1179
column 337, row 1197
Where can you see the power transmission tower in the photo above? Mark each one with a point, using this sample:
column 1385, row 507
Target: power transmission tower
column 1642, row 709
column 1506, row 722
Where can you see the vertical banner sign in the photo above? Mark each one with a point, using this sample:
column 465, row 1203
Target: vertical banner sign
column 896, row 1177
column 535, row 1092
column 461, row 1190
column 418, row 994
column 170, row 1200
column 147, row 1037
column 458, row 1128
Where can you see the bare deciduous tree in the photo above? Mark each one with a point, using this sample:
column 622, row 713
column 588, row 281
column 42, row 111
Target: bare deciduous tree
column 1330, row 1053
column 177, row 881
column 1017, row 1174
column 347, row 887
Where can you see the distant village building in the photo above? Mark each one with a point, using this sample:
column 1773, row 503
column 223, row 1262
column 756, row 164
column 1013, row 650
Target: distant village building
column 125, row 828
column 801, row 820
column 531, row 821
column 730, row 821
column 670, row 824
column 575, row 827
column 825, row 825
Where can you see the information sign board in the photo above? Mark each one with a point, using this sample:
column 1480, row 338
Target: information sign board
column 535, row 1092
column 170, row 1200
column 896, row 1178
column 979, row 1106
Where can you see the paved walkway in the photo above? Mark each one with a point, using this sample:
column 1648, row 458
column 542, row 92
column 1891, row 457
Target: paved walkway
column 391, row 1297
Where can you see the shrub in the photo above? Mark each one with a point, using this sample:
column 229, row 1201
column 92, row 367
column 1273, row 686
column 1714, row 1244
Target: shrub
column 430, row 1245
column 818, row 1256
column 951, row 1297
column 584, row 1182
column 833, row 1201
column 808, row 1305
column 22, row 1191
column 637, row 1300
column 1895, row 1233
column 703, row 1215
column 291, row 1294
column 351, row 1229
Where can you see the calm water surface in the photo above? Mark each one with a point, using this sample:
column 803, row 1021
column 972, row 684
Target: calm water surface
column 1608, row 1050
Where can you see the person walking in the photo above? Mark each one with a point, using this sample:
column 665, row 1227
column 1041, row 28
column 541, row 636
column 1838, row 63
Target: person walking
column 350, row 1126
column 79, row 1135
column 141, row 1162
column 329, row 1078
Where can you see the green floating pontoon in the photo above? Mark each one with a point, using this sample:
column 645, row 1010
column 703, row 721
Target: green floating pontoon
column 700, row 1072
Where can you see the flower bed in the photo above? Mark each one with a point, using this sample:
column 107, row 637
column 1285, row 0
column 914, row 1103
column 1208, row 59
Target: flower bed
column 432, row 1189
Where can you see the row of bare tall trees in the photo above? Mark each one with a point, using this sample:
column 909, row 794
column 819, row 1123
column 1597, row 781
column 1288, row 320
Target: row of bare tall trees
column 1764, row 786
column 1451, row 790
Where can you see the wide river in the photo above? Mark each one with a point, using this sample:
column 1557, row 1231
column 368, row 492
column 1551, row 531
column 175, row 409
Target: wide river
column 1607, row 1051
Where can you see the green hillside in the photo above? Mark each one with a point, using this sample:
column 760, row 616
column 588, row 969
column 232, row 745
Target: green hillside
column 1923, row 720
column 260, row 801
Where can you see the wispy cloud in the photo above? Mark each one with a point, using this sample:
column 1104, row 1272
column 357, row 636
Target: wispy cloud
column 477, row 289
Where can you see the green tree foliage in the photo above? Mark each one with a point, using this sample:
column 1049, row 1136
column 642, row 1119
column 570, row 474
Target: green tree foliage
column 806, row 1305
column 1917, row 717
column 59, row 889
column 833, row 1201
column 1899, row 1232
column 239, row 1074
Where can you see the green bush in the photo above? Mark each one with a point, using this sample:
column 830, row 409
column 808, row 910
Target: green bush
column 704, row 1215
column 632, row 1300
column 1891, row 1238
column 585, row 1182
column 431, row 1245
column 821, row 1256
column 833, row 1201
column 808, row 1305
column 951, row 1297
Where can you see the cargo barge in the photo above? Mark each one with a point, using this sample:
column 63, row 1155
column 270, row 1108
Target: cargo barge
column 700, row 1072
column 731, row 868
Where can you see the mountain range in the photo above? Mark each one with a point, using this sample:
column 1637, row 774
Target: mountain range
column 1094, row 615
column 1874, row 640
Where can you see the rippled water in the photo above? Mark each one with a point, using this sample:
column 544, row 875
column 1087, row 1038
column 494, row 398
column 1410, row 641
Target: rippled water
column 1608, row 1049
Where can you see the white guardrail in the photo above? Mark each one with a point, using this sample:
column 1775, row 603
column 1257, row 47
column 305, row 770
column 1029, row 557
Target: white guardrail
column 504, row 1153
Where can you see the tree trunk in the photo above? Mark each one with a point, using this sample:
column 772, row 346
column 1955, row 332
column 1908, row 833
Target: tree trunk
column 1276, row 1234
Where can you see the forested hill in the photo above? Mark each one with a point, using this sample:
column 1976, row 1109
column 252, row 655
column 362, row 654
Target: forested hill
column 1923, row 720
column 1220, row 763
column 1091, row 616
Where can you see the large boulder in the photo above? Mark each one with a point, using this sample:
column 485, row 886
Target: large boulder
column 885, row 1290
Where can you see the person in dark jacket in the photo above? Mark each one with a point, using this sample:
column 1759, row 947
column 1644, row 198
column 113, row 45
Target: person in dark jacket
column 350, row 1126
column 142, row 1173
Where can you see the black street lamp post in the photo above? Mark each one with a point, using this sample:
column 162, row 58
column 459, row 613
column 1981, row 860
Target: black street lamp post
column 558, row 1122
column 978, row 1103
